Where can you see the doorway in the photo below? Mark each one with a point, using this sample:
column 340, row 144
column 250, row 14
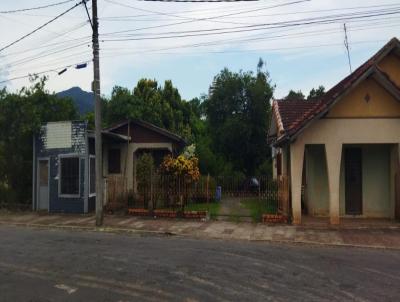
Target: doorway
column 353, row 181
column 43, row 184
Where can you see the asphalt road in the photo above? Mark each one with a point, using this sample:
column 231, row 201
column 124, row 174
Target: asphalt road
column 53, row 265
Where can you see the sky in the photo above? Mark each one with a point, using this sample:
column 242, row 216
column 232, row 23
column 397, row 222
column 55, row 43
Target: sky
column 190, row 43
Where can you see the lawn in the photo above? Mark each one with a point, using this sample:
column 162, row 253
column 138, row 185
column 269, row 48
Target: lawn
column 258, row 207
column 212, row 207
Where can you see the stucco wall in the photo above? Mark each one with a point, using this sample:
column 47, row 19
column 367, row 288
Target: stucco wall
column 376, row 182
column 369, row 99
column 317, row 191
column 334, row 133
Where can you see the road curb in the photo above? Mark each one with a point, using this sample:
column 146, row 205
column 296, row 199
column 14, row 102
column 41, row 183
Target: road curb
column 189, row 236
column 87, row 228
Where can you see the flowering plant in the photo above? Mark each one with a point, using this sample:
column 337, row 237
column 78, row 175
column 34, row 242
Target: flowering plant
column 181, row 166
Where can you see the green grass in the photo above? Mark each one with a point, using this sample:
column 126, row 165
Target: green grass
column 212, row 207
column 258, row 207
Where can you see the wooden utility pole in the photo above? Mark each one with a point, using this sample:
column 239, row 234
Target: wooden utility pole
column 97, row 112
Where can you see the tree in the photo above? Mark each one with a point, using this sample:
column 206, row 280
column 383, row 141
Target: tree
column 295, row 95
column 21, row 115
column 160, row 105
column 316, row 93
column 237, row 110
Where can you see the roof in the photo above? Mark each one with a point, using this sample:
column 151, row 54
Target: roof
column 149, row 126
column 297, row 114
column 114, row 136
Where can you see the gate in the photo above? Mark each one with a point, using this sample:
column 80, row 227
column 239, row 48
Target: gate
column 252, row 198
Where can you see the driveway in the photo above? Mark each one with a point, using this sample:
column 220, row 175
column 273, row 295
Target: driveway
column 55, row 265
column 232, row 210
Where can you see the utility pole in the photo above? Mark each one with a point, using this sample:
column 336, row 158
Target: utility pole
column 97, row 113
column 346, row 44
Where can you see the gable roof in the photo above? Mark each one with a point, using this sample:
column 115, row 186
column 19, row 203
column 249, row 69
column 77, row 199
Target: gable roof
column 149, row 126
column 297, row 114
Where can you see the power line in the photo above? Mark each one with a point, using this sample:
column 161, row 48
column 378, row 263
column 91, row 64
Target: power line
column 198, row 1
column 79, row 56
column 60, row 43
column 191, row 20
column 322, row 19
column 42, row 26
column 252, row 28
column 43, row 55
column 34, row 8
column 42, row 72
column 353, row 15
column 249, row 50
column 259, row 39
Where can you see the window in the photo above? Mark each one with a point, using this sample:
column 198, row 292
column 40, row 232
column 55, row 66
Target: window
column 69, row 176
column 92, row 175
column 279, row 164
column 114, row 161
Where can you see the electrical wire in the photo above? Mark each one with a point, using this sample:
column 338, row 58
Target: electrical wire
column 198, row 1
column 251, row 50
column 276, row 35
column 43, row 55
column 261, row 27
column 40, row 27
column 191, row 20
column 42, row 72
column 340, row 17
column 35, row 8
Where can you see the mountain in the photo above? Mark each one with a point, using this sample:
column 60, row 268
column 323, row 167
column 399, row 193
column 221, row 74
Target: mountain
column 84, row 101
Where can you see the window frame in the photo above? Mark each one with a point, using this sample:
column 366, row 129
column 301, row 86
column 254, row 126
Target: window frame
column 92, row 194
column 61, row 156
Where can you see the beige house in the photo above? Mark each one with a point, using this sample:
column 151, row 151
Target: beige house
column 341, row 152
column 125, row 142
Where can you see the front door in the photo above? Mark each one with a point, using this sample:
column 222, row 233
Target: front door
column 43, row 185
column 353, row 181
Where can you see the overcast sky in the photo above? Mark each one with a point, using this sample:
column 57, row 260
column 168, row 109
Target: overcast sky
column 298, row 58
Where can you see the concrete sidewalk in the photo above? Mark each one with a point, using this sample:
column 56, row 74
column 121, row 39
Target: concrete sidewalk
column 375, row 237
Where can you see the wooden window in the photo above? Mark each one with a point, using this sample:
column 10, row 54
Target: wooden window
column 114, row 161
column 279, row 164
column 69, row 176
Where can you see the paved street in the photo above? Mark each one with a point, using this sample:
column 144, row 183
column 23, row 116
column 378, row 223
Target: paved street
column 55, row 265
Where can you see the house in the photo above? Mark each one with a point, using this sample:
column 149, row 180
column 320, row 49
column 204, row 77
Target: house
column 64, row 161
column 341, row 152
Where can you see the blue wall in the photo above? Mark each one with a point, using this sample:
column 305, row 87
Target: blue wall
column 79, row 147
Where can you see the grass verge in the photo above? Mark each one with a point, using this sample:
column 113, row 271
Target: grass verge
column 258, row 207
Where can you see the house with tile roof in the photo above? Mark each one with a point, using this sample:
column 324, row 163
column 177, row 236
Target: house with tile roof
column 341, row 152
